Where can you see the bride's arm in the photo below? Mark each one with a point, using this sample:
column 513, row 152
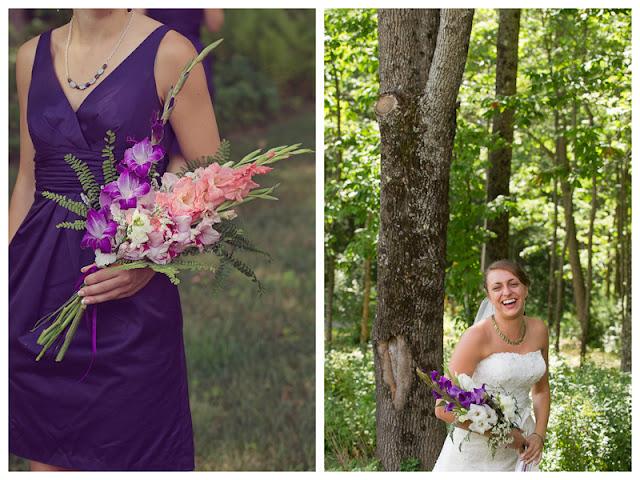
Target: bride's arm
column 541, row 397
column 465, row 358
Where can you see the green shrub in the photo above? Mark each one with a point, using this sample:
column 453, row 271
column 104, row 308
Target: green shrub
column 590, row 423
column 244, row 96
column 350, row 407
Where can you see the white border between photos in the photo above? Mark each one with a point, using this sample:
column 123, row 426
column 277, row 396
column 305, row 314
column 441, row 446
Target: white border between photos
column 319, row 5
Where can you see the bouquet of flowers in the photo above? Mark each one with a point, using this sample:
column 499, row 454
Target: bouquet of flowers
column 138, row 220
column 497, row 412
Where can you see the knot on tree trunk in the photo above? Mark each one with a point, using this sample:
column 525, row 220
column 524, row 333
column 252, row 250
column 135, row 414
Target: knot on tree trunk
column 397, row 372
column 386, row 104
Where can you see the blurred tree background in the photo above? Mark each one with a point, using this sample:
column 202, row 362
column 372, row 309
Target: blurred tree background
column 569, row 216
column 251, row 359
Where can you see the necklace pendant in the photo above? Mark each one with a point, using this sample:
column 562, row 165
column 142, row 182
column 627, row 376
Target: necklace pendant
column 72, row 84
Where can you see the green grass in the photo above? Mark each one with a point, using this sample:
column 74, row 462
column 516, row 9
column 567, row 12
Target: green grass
column 251, row 359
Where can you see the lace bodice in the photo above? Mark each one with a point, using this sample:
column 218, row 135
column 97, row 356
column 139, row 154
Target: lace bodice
column 514, row 373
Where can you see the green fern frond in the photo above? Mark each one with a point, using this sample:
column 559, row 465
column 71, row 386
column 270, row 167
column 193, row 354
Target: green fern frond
column 85, row 177
column 74, row 206
column 221, row 157
column 109, row 172
column 240, row 266
column 77, row 225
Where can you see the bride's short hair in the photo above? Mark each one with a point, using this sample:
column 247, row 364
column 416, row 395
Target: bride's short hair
column 509, row 266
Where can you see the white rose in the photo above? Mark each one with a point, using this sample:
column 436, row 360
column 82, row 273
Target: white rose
column 476, row 413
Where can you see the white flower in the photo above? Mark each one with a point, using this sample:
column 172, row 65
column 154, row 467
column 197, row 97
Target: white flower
column 508, row 406
column 492, row 416
column 479, row 426
column 476, row 413
column 104, row 259
column 138, row 229
column 466, row 383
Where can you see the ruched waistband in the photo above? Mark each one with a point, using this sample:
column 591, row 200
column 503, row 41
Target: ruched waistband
column 53, row 174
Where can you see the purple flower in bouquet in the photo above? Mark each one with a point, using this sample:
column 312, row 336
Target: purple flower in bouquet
column 479, row 395
column 126, row 190
column 100, row 231
column 465, row 398
column 141, row 156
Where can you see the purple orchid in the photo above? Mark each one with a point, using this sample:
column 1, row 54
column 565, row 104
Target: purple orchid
column 479, row 395
column 436, row 395
column 434, row 375
column 465, row 399
column 157, row 128
column 450, row 406
column 100, row 230
column 141, row 156
column 126, row 190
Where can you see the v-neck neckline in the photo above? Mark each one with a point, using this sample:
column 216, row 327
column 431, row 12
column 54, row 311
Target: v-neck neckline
column 106, row 77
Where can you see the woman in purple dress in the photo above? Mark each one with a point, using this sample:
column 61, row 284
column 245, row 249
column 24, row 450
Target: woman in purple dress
column 131, row 412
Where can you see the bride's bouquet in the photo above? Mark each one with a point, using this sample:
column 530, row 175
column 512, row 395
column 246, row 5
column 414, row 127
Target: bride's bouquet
column 494, row 412
column 176, row 222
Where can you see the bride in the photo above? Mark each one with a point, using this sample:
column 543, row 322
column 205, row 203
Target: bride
column 505, row 350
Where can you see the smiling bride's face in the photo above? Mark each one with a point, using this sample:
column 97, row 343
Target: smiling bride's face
column 506, row 292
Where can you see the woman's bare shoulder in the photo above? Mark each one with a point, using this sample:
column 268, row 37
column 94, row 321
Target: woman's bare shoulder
column 25, row 56
column 175, row 48
column 539, row 329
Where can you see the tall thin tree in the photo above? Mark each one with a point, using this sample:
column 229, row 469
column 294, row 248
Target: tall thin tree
column 422, row 58
column 499, row 171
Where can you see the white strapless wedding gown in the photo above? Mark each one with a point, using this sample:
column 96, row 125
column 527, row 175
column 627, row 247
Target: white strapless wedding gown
column 514, row 373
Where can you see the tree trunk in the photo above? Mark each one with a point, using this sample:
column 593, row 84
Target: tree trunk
column 499, row 171
column 330, row 256
column 560, row 297
column 579, row 290
column 553, row 258
column 330, row 276
column 422, row 58
column 592, row 220
column 625, row 357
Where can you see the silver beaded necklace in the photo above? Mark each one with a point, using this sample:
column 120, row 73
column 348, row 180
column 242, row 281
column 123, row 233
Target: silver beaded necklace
column 101, row 70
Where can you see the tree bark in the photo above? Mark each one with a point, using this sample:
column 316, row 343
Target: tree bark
column 499, row 172
column 422, row 58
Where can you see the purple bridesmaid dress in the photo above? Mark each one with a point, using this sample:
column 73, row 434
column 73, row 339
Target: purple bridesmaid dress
column 131, row 412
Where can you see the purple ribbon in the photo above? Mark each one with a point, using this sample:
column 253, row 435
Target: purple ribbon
column 91, row 314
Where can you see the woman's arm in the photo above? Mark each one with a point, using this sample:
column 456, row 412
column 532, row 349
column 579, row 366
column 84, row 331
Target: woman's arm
column 193, row 119
column 541, row 397
column 195, row 126
column 24, row 188
column 465, row 358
